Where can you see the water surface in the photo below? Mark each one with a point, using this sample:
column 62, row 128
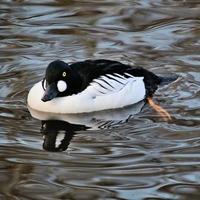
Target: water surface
column 142, row 156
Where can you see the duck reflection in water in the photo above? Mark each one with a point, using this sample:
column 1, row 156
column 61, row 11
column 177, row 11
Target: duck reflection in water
column 59, row 129
column 57, row 134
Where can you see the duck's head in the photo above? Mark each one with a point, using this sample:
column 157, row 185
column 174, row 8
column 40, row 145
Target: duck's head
column 60, row 80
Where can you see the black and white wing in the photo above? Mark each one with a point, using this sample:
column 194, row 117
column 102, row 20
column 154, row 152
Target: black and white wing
column 111, row 83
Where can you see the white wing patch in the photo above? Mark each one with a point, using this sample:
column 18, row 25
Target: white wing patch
column 109, row 84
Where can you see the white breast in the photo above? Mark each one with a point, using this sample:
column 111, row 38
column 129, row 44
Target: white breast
column 106, row 92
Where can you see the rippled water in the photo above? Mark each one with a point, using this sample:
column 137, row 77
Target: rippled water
column 122, row 157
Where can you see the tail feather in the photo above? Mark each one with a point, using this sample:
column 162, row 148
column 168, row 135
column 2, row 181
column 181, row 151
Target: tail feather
column 168, row 79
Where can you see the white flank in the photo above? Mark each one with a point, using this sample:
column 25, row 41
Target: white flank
column 106, row 92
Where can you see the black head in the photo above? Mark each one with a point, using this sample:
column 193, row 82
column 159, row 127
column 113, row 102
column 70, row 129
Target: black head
column 60, row 80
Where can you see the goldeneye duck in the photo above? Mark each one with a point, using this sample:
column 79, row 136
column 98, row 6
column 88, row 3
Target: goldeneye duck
column 91, row 85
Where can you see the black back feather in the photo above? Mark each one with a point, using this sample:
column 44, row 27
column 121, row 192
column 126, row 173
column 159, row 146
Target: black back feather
column 91, row 69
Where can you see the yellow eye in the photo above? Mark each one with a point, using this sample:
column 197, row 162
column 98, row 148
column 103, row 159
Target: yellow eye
column 64, row 74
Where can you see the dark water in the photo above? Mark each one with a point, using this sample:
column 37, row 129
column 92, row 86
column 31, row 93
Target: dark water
column 144, row 158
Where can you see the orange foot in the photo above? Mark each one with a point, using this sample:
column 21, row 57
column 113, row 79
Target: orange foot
column 159, row 109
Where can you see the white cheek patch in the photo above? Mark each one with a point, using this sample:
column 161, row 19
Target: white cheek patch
column 62, row 86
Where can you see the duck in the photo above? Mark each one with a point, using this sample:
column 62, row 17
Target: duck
column 92, row 85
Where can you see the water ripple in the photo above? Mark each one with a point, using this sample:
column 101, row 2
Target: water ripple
column 128, row 155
